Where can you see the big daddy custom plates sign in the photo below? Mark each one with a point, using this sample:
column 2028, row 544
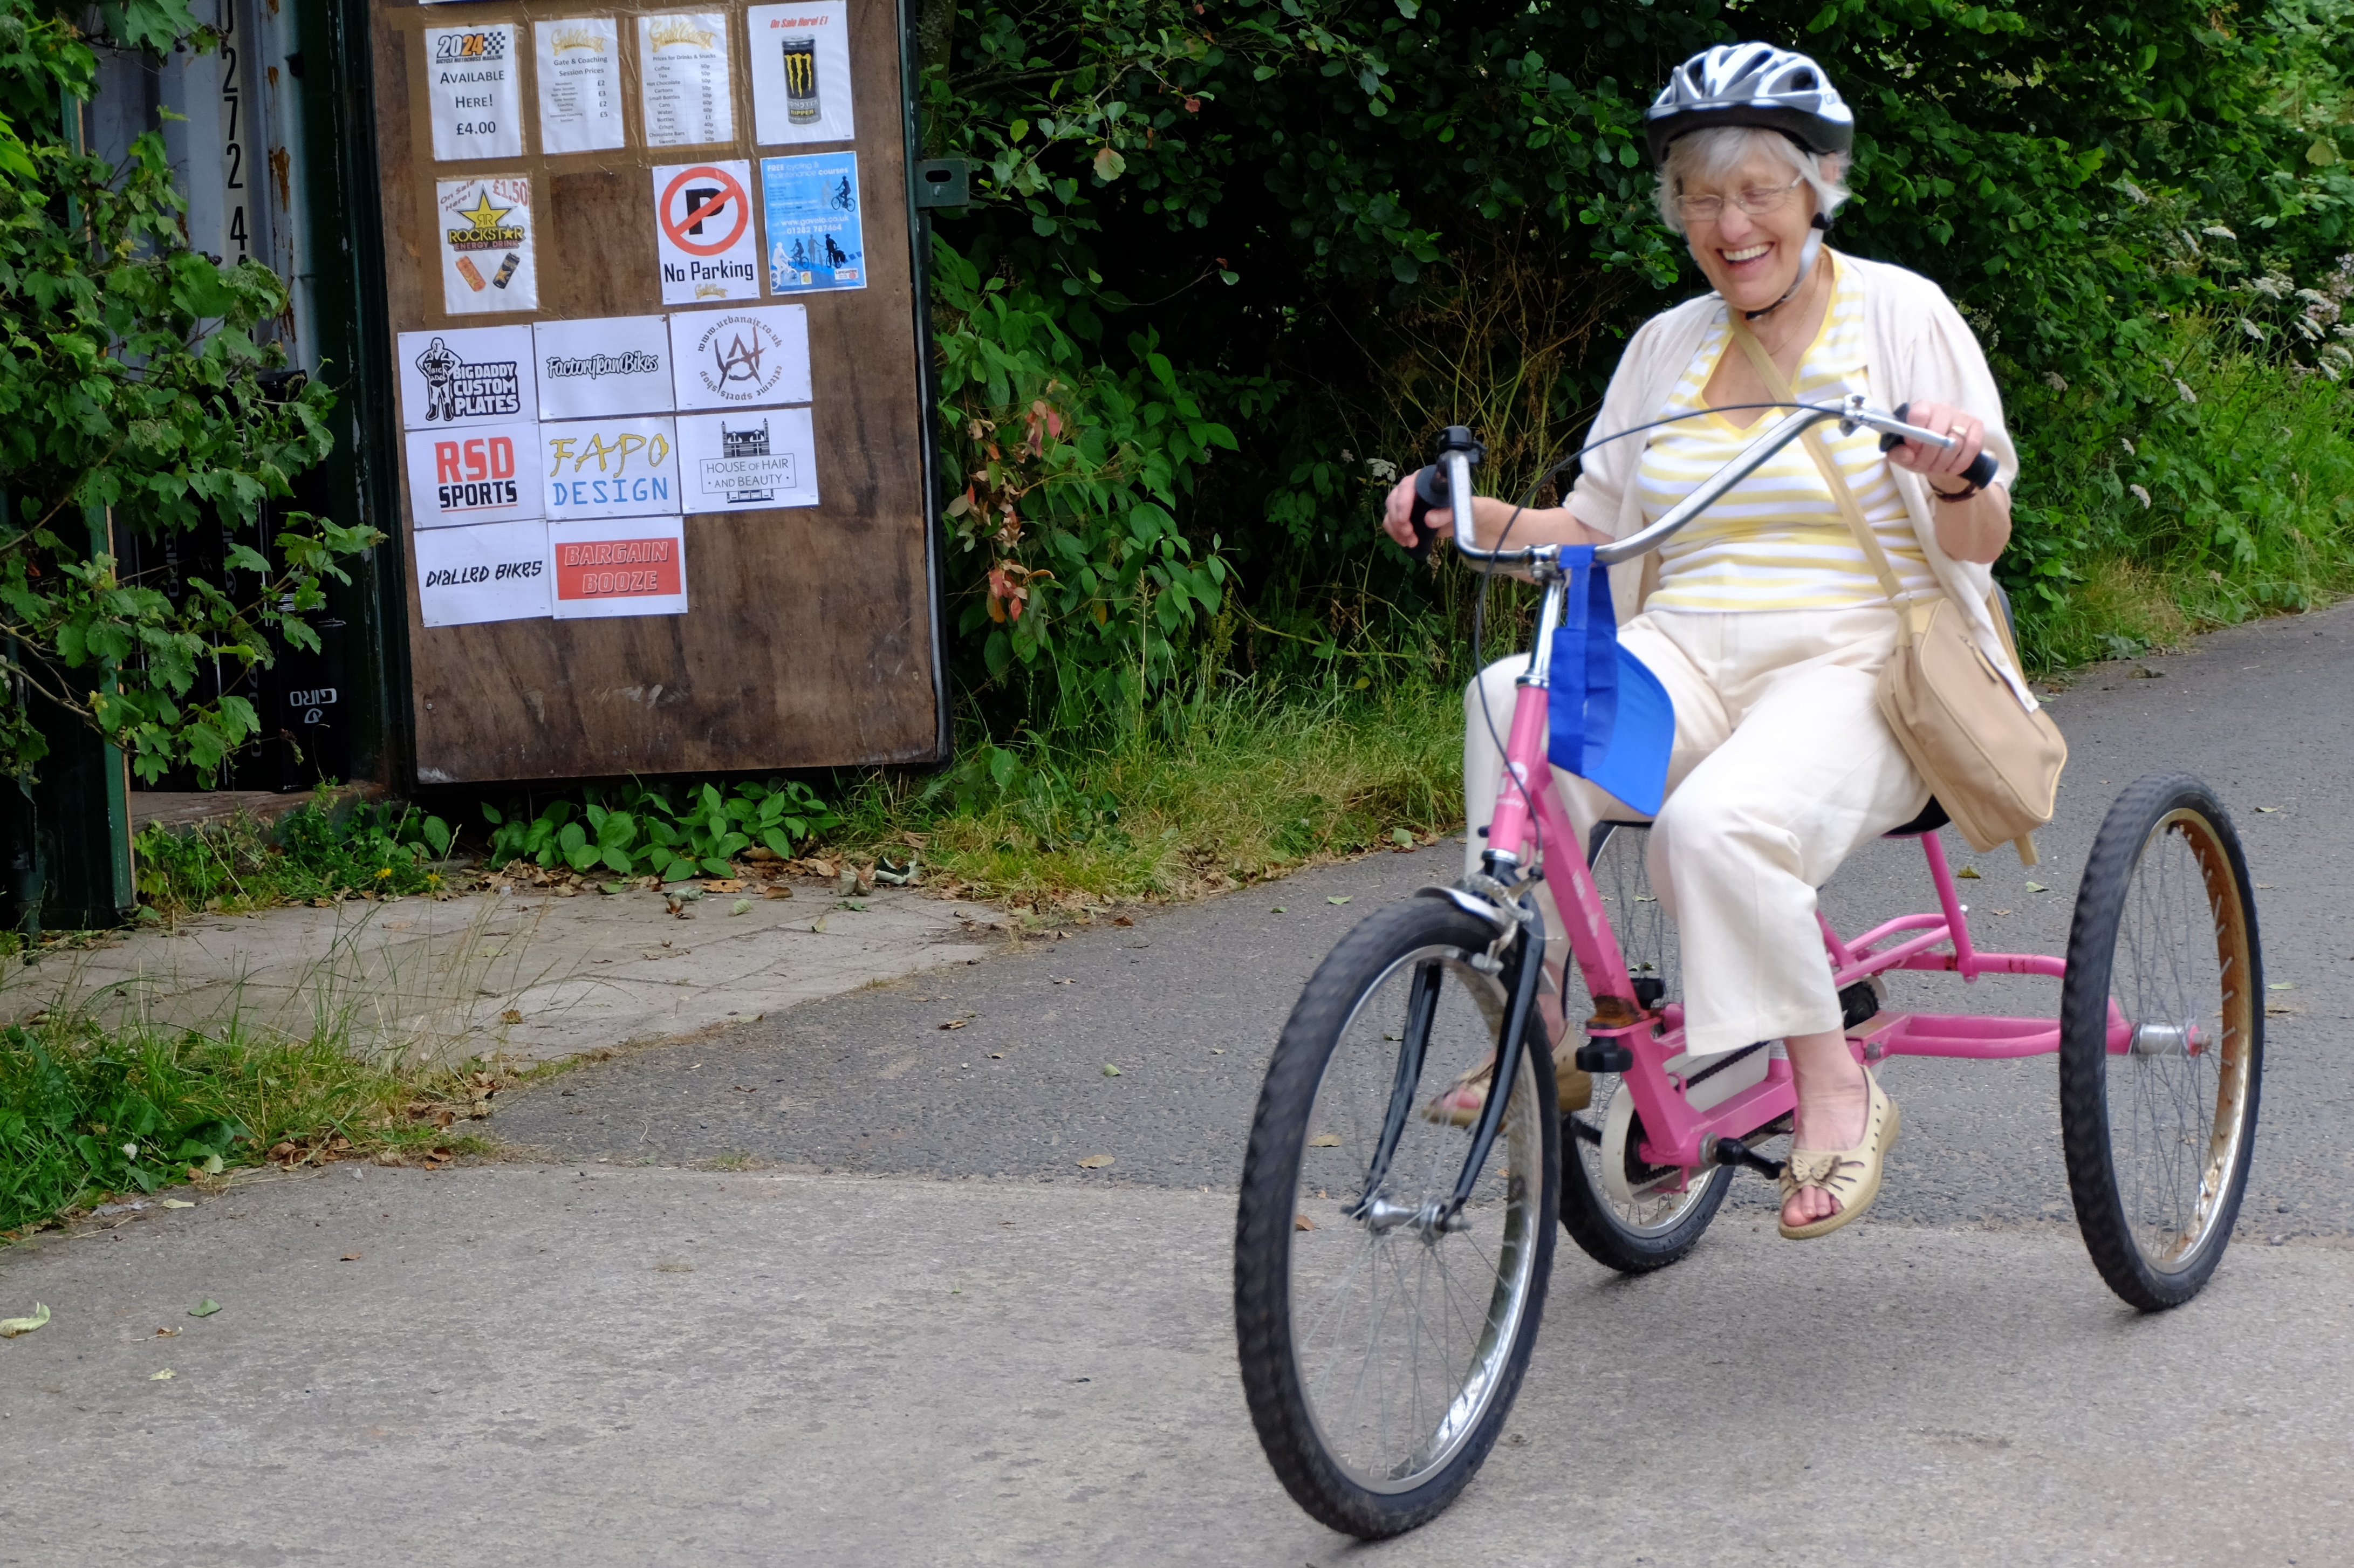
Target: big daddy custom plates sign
column 752, row 358
column 467, row 375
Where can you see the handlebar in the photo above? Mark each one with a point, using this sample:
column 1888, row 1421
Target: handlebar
column 1448, row 481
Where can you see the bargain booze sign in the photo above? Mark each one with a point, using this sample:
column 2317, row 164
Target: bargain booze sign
column 619, row 566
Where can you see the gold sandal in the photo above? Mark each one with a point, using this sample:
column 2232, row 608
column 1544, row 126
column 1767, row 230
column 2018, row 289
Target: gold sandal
column 1850, row 1175
column 1460, row 1105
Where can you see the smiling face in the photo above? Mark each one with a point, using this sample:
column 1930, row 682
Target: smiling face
column 1751, row 259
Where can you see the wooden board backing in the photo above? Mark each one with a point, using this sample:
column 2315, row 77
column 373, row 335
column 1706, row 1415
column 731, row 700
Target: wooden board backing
column 810, row 638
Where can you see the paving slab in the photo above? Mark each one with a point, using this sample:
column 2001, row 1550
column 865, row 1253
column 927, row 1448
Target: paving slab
column 593, row 1366
column 530, row 976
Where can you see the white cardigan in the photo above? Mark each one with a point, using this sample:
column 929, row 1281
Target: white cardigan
column 1917, row 347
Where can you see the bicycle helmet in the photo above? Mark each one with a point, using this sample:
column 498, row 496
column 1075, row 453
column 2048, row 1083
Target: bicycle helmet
column 1750, row 84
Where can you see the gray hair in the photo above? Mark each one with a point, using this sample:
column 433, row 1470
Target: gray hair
column 1714, row 154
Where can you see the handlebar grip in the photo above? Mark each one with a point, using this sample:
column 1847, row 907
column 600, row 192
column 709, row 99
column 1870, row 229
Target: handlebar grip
column 1981, row 471
column 1429, row 494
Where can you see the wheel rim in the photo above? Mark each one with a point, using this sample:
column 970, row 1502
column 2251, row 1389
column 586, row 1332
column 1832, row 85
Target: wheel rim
column 2182, row 981
column 1401, row 1339
column 1646, row 939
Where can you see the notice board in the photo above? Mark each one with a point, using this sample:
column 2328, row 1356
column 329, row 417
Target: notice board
column 654, row 306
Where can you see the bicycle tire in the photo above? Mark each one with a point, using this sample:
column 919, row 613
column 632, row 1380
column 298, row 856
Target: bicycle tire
column 1650, row 1235
column 1336, row 1457
column 2164, row 924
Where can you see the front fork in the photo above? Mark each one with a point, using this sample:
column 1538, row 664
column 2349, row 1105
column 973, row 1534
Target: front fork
column 1523, row 948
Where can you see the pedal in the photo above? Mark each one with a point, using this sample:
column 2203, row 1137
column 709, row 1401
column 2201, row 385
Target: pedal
column 1733, row 1151
column 1861, row 1002
column 1605, row 1056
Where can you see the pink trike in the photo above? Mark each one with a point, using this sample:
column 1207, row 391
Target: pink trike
column 1391, row 1260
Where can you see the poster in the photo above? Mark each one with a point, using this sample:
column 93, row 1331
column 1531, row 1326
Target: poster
column 682, row 70
column 703, row 238
column 495, row 571
column 579, row 74
column 742, row 358
column 812, row 217
column 467, row 375
column 475, row 92
column 603, row 366
column 486, row 248
column 625, row 567
column 609, row 468
column 800, row 73
column 479, row 474
column 754, row 459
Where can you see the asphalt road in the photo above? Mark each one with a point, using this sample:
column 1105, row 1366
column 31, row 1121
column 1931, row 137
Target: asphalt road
column 1186, row 1003
column 923, row 1334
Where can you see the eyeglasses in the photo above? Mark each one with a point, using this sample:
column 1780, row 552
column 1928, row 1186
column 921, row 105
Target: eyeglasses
column 1757, row 201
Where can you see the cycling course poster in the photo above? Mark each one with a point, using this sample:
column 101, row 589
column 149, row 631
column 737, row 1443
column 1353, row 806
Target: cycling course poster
column 810, row 208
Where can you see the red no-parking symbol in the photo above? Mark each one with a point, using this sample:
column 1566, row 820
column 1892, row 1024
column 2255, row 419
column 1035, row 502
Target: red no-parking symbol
column 696, row 202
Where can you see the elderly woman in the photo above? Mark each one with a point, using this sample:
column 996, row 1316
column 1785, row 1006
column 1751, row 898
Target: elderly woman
column 1763, row 620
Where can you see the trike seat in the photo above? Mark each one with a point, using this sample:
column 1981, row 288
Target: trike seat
column 1932, row 817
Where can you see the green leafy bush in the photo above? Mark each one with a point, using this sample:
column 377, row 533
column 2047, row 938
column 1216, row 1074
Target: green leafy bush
column 639, row 831
column 134, row 381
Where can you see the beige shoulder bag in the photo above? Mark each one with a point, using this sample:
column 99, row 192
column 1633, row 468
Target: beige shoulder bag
column 1993, row 763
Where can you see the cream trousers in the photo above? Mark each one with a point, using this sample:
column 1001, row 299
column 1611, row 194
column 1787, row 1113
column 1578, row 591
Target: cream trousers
column 1782, row 766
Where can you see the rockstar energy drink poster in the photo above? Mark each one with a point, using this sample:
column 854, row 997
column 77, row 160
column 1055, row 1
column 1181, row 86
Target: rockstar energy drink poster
column 485, row 233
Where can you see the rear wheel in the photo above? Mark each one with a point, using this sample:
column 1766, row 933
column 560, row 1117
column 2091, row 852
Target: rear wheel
column 1380, row 1355
column 2161, row 1040
column 1662, row 1214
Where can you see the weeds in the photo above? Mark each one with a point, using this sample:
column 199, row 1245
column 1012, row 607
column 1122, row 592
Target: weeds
column 316, row 852
column 88, row 1112
column 635, row 831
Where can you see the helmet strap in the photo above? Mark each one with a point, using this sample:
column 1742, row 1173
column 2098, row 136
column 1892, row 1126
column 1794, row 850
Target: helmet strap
column 1806, row 255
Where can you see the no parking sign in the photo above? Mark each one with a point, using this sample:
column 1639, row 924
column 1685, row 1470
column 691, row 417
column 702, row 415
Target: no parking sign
column 704, row 214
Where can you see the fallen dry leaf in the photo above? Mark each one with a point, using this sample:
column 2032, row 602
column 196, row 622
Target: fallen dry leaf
column 167, row 1333
column 744, row 1088
column 956, row 1023
column 1969, row 871
column 163, row 1376
column 1095, row 1161
column 1121, row 920
column 672, row 1266
column 1109, row 1071
column 12, row 1327
column 776, row 890
column 204, row 1309
column 510, row 1015
column 1342, row 900
column 1325, row 1140
column 349, row 1257
column 177, row 1203
column 724, row 885
column 2036, row 887
column 1302, row 1222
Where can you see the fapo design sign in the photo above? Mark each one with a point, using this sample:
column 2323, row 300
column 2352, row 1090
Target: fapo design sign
column 467, row 375
column 740, row 359
column 610, row 468
column 619, row 568
column 706, row 247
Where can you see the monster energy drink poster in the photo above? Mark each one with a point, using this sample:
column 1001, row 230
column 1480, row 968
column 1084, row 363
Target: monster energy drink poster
column 800, row 73
column 811, row 220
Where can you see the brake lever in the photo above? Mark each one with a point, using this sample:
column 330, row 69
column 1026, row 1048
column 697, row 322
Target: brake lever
column 1980, row 473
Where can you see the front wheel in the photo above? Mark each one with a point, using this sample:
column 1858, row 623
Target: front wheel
column 1380, row 1356
column 2161, row 1040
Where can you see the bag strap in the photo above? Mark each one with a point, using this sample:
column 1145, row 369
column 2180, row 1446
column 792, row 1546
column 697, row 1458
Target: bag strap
column 1842, row 497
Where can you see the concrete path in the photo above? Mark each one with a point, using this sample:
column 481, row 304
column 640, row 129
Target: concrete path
column 526, row 974
column 540, row 1366
column 924, row 1334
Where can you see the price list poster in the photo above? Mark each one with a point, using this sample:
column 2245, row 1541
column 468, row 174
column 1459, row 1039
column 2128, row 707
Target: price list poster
column 667, row 503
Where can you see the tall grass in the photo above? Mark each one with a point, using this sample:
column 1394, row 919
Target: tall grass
column 2234, row 498
column 1243, row 783
column 90, row 1110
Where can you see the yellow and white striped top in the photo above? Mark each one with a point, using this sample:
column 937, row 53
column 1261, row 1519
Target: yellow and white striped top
column 1776, row 541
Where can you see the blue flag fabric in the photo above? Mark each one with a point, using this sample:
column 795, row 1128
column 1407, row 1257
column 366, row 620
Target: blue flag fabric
column 1611, row 721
